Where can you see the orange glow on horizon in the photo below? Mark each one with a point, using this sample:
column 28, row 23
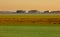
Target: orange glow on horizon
column 29, row 4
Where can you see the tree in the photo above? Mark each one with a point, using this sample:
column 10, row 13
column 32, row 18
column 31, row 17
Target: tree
column 20, row 11
column 33, row 11
column 46, row 11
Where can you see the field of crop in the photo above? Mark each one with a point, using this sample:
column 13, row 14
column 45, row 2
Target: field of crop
column 30, row 19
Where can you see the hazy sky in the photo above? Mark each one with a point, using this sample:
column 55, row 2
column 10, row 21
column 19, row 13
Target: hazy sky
column 30, row 4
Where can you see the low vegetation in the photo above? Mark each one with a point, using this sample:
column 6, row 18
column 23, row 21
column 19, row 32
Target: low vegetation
column 29, row 19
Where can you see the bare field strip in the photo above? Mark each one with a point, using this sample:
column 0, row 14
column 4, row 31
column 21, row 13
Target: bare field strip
column 29, row 19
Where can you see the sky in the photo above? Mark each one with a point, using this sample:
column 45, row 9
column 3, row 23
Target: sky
column 29, row 4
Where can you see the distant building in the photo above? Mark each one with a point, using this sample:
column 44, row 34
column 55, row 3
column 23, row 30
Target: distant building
column 20, row 11
column 33, row 12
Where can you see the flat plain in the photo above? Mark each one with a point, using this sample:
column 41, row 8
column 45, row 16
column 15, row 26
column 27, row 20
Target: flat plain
column 9, row 27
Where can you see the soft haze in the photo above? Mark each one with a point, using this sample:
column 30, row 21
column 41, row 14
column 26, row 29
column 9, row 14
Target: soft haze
column 30, row 4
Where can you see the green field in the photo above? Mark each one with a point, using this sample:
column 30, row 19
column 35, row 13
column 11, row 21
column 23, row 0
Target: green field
column 30, row 15
column 30, row 31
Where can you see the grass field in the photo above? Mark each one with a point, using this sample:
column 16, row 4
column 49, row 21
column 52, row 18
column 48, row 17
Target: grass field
column 30, row 31
column 29, row 15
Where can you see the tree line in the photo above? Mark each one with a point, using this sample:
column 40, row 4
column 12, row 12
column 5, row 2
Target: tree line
column 37, row 12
